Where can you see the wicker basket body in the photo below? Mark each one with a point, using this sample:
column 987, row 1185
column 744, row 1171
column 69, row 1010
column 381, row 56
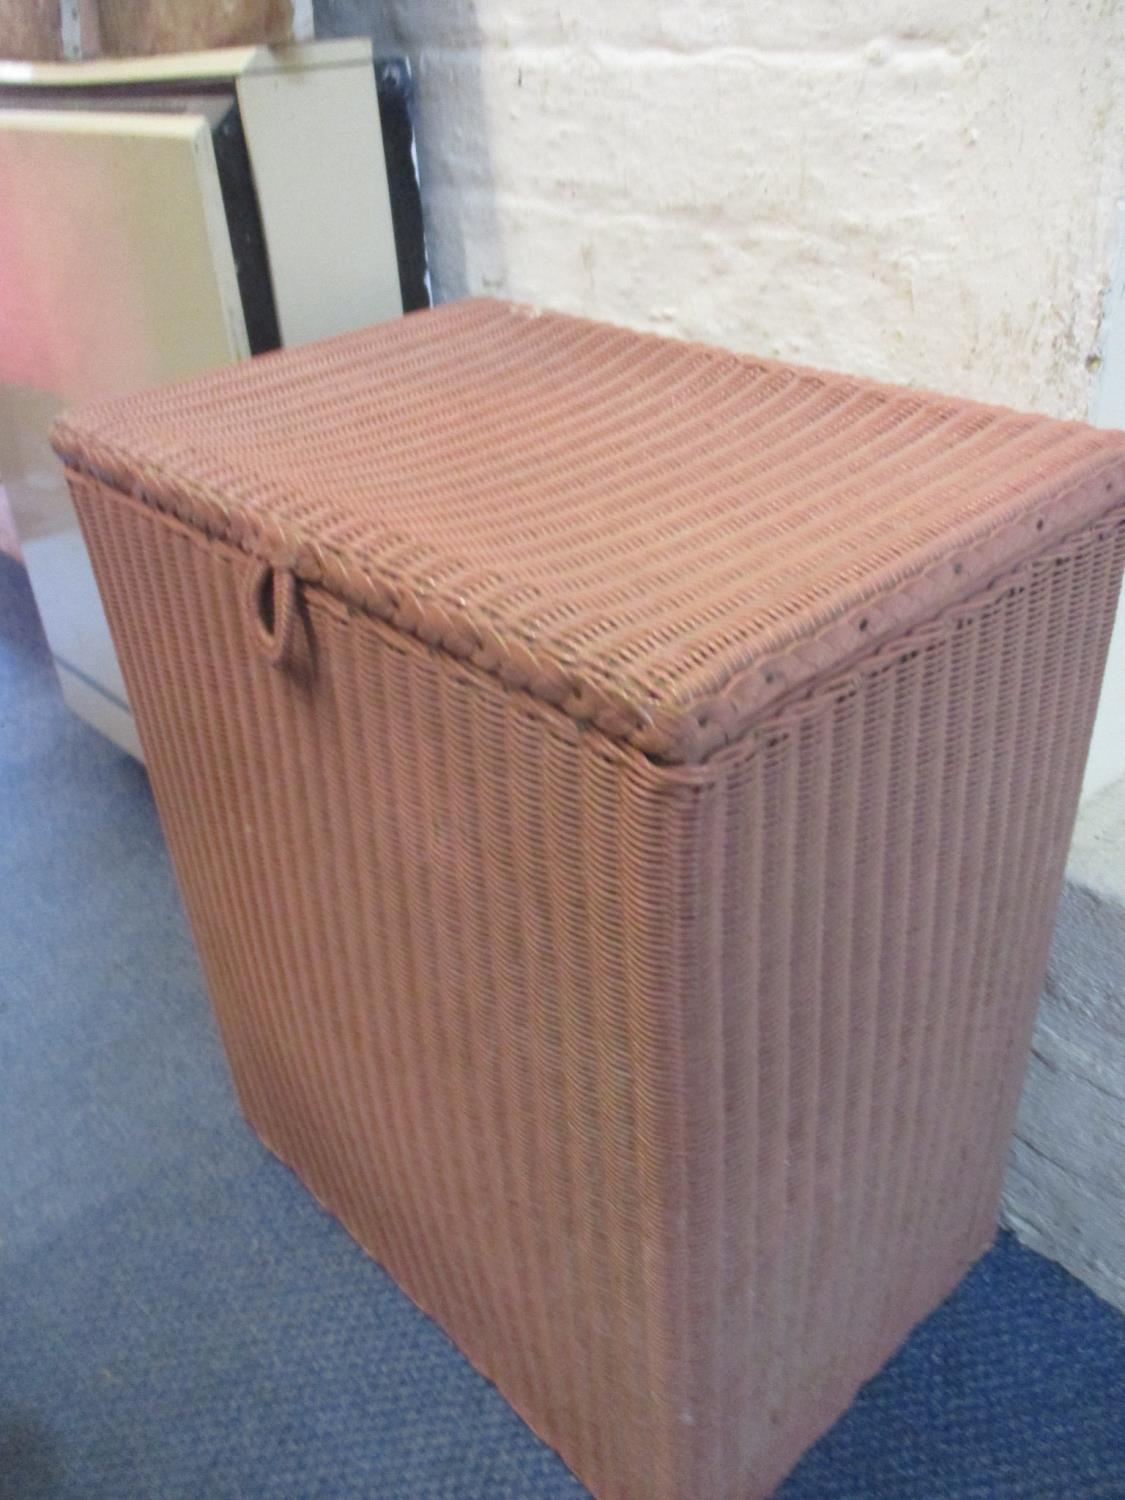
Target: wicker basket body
column 670, row 1068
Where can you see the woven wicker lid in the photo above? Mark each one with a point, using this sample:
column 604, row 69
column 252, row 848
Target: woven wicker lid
column 659, row 538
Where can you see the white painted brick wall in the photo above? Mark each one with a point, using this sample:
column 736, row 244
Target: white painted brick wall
column 1065, row 1192
column 920, row 190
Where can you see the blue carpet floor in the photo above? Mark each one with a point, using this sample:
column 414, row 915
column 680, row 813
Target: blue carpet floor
column 179, row 1321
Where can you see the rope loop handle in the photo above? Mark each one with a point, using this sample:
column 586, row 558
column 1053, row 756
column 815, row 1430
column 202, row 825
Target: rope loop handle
column 271, row 597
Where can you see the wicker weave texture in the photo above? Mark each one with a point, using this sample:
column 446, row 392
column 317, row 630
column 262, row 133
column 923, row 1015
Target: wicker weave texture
column 658, row 538
column 676, row 1093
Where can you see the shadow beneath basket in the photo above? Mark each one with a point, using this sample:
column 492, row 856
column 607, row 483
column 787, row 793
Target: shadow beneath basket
column 29, row 1468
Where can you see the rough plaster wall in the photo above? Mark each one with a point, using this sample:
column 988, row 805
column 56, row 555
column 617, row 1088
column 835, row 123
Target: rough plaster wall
column 1106, row 764
column 1065, row 1191
column 915, row 189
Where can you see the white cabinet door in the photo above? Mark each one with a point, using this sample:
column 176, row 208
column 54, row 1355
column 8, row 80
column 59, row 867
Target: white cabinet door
column 116, row 272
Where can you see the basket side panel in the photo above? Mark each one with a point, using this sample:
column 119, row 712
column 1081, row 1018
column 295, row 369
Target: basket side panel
column 452, row 942
column 677, row 1095
column 894, row 847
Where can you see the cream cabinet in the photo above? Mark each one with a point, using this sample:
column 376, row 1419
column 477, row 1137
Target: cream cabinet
column 160, row 217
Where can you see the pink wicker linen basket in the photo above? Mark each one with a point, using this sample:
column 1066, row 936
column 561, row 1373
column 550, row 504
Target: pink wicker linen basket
column 620, row 791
